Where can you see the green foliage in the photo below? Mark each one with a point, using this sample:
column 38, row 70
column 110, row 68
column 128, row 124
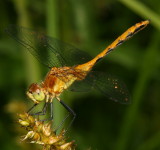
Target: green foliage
column 89, row 25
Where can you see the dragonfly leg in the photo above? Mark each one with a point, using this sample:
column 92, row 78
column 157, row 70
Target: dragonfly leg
column 43, row 111
column 62, row 122
column 51, row 112
column 70, row 111
column 31, row 108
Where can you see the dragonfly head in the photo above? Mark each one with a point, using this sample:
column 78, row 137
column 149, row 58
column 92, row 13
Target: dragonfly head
column 35, row 93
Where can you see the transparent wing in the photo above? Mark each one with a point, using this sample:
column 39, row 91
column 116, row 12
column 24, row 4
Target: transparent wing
column 49, row 51
column 84, row 85
column 110, row 86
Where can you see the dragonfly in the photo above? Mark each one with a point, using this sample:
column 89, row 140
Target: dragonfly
column 70, row 68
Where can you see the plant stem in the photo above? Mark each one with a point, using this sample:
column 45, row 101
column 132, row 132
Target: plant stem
column 31, row 65
column 143, row 11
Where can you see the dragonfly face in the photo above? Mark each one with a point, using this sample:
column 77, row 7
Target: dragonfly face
column 36, row 93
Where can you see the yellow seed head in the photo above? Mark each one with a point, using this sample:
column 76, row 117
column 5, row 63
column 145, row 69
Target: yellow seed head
column 41, row 133
column 24, row 123
column 46, row 129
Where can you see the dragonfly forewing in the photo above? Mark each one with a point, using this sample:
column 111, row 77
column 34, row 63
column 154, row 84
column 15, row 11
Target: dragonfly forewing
column 49, row 51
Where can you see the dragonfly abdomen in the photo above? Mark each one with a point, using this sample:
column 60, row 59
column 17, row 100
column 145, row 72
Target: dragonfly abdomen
column 121, row 39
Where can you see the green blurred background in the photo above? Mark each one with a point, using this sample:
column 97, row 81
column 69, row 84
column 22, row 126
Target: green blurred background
column 89, row 25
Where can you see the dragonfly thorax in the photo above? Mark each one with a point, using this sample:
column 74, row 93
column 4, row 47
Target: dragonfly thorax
column 58, row 80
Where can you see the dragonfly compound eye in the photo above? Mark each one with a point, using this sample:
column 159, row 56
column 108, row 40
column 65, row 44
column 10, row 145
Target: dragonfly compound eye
column 38, row 95
column 35, row 93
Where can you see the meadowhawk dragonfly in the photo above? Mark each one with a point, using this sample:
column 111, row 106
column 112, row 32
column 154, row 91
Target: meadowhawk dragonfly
column 70, row 68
